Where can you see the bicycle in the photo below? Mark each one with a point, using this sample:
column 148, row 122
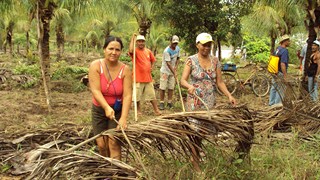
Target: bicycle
column 257, row 79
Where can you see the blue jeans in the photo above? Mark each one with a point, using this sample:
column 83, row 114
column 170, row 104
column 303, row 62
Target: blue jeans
column 313, row 88
column 276, row 91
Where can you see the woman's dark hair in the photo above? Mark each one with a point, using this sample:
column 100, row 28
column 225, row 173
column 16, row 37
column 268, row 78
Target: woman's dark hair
column 110, row 39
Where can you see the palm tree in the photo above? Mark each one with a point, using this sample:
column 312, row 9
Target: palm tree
column 45, row 12
column 60, row 18
column 142, row 11
column 8, row 21
column 157, row 38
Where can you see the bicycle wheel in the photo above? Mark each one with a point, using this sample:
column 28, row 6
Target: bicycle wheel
column 230, row 81
column 260, row 85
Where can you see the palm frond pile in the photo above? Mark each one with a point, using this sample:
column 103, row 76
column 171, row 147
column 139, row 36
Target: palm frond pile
column 170, row 135
column 302, row 114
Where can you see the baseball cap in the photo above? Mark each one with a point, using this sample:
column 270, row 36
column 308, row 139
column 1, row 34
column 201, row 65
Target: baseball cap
column 316, row 42
column 175, row 39
column 140, row 37
column 284, row 37
column 204, row 38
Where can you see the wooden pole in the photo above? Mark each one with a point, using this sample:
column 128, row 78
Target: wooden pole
column 134, row 82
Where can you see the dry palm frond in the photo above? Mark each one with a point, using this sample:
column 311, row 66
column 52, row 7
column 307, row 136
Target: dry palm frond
column 13, row 145
column 175, row 133
column 303, row 114
column 61, row 165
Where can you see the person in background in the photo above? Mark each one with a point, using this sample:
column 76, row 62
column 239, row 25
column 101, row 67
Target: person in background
column 205, row 76
column 313, row 71
column 244, row 53
column 168, row 71
column 145, row 61
column 283, row 54
column 302, row 56
column 111, row 86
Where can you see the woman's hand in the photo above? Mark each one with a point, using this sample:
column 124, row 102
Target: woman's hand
column 122, row 123
column 191, row 90
column 232, row 100
column 109, row 112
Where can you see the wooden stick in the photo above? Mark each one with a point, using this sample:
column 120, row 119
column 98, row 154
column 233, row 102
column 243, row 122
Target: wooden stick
column 134, row 82
column 88, row 140
column 181, row 99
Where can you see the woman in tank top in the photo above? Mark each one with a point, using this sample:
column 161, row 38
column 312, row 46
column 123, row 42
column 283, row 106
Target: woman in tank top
column 111, row 85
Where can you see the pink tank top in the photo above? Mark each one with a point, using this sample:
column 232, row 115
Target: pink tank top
column 110, row 90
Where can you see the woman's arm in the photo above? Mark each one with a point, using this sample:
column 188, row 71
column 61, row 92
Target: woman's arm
column 185, row 76
column 126, row 97
column 94, row 82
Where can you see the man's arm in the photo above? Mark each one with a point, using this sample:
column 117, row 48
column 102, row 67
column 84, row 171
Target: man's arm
column 284, row 59
column 283, row 69
column 318, row 70
column 133, row 38
column 167, row 59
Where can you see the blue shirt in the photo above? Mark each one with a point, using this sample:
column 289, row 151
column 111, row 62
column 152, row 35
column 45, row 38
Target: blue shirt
column 283, row 53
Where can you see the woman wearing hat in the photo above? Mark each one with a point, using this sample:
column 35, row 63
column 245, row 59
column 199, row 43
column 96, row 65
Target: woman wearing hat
column 205, row 77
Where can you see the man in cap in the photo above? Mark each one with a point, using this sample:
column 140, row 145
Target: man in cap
column 282, row 52
column 313, row 71
column 143, row 67
column 168, row 70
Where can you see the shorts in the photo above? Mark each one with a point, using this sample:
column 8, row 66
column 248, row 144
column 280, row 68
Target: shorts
column 100, row 122
column 167, row 81
column 145, row 91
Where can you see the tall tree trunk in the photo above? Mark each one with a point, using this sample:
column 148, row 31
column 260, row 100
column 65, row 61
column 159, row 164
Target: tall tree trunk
column 219, row 49
column 87, row 46
column 82, row 46
column 60, row 40
column 44, row 15
column 18, row 48
column 273, row 42
column 9, row 37
column 4, row 46
column 27, row 43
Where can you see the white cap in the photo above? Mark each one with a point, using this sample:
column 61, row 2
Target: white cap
column 175, row 39
column 284, row 37
column 204, row 38
column 140, row 37
column 316, row 42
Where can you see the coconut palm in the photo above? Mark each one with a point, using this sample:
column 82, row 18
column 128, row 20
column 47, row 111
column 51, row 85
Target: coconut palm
column 273, row 18
column 8, row 22
column 60, row 18
column 142, row 11
column 157, row 38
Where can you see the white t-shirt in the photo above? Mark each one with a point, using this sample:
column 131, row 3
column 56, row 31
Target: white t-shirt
column 169, row 55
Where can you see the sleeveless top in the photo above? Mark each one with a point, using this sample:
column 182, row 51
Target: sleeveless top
column 204, row 80
column 110, row 90
column 312, row 69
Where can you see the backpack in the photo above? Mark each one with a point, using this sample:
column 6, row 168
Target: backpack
column 273, row 65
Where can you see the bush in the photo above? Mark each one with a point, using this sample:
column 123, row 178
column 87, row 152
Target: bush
column 257, row 48
column 32, row 70
column 63, row 71
column 125, row 58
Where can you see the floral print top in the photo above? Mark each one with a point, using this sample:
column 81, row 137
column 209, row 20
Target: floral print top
column 204, row 80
